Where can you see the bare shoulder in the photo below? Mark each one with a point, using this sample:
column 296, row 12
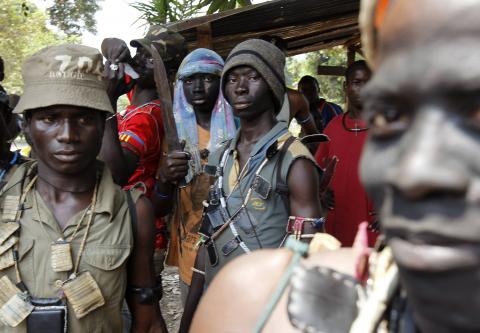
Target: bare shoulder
column 248, row 268
column 246, row 285
column 145, row 219
column 243, row 285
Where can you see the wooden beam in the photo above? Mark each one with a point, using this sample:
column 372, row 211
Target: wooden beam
column 351, row 52
column 331, row 70
column 204, row 36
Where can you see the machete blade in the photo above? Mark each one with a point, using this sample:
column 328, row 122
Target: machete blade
column 163, row 91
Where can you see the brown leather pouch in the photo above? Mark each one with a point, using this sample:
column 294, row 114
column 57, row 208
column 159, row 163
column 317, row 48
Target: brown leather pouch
column 323, row 299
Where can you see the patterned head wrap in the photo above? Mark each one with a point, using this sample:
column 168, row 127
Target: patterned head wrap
column 222, row 125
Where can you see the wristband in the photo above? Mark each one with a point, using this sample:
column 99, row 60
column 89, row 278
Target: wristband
column 147, row 295
column 306, row 120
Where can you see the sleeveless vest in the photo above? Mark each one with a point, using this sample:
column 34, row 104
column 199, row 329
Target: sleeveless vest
column 263, row 221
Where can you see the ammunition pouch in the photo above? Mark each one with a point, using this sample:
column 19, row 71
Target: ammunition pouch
column 212, row 220
column 334, row 293
column 48, row 316
column 231, row 246
column 245, row 221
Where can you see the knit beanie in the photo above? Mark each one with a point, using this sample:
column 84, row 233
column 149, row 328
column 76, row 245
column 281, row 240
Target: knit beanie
column 266, row 58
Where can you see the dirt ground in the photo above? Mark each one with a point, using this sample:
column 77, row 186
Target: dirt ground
column 171, row 304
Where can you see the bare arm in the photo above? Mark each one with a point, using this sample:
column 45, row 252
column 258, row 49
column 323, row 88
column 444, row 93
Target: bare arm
column 300, row 110
column 121, row 162
column 303, row 184
column 116, row 52
column 195, row 292
column 146, row 318
column 172, row 168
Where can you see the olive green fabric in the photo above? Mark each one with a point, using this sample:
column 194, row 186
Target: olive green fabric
column 269, row 215
column 64, row 75
column 108, row 247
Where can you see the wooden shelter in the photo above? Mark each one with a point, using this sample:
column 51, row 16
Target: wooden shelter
column 305, row 25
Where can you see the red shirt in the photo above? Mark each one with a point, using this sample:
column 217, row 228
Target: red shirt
column 140, row 130
column 352, row 205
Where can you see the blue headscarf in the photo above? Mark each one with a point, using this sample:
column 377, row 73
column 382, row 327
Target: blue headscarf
column 222, row 125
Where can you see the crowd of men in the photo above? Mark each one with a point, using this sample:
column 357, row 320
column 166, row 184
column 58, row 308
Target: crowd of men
column 368, row 225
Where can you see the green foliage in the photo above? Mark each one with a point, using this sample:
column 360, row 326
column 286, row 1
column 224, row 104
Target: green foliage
column 74, row 16
column 164, row 11
column 331, row 87
column 222, row 5
column 20, row 36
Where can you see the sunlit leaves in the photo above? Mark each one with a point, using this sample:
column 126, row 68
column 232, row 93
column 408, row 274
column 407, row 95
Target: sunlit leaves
column 164, row 11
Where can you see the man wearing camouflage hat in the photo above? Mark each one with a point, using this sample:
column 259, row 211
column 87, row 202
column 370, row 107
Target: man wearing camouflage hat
column 133, row 139
column 71, row 239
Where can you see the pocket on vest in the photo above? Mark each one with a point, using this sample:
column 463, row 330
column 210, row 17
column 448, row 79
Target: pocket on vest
column 107, row 258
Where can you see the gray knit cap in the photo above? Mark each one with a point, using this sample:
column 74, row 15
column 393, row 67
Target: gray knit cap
column 266, row 58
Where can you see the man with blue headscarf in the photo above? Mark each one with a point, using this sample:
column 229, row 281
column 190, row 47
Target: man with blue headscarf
column 204, row 120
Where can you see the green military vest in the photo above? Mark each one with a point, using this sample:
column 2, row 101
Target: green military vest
column 264, row 222
column 109, row 244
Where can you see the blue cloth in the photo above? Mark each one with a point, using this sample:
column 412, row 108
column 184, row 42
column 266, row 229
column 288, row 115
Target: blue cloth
column 222, row 124
column 329, row 111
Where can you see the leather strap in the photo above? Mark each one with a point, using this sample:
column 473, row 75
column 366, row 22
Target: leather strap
column 282, row 186
column 133, row 213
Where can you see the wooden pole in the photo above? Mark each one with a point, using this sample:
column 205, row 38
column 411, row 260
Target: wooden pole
column 204, row 36
column 351, row 55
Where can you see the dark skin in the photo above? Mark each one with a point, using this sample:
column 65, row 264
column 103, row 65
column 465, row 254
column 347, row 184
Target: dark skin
column 64, row 158
column 352, row 87
column 201, row 91
column 424, row 139
column 299, row 110
column 122, row 162
column 310, row 90
column 117, row 52
column 253, row 103
column 66, row 140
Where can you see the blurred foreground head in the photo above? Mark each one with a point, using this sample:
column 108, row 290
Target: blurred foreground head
column 421, row 164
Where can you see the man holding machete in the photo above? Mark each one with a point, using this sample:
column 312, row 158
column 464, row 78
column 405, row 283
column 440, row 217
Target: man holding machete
column 133, row 139
column 204, row 120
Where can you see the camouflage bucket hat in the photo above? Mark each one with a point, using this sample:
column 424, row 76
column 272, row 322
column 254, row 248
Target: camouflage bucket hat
column 170, row 44
column 64, row 75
